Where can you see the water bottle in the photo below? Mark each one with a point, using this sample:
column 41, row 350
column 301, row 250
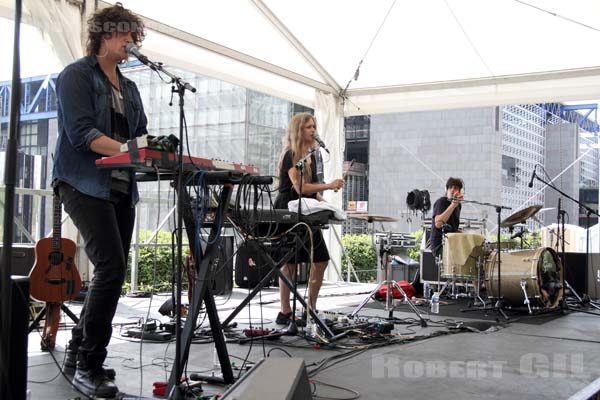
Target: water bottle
column 435, row 303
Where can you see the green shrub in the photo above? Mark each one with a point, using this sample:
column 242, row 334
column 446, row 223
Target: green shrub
column 362, row 255
column 415, row 252
column 149, row 279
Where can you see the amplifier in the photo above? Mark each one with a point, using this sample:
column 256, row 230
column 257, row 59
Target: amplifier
column 221, row 276
column 14, row 385
column 22, row 260
column 429, row 269
column 581, row 280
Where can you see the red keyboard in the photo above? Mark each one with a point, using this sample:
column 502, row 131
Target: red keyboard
column 148, row 160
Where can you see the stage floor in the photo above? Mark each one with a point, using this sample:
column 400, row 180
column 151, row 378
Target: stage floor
column 553, row 356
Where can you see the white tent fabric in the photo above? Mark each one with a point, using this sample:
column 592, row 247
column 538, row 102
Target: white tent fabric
column 59, row 21
column 371, row 56
column 434, row 54
column 330, row 123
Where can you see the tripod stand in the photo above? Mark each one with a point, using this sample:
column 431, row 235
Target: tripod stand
column 389, row 283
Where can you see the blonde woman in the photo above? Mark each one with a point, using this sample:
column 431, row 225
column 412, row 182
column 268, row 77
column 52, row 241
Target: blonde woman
column 298, row 142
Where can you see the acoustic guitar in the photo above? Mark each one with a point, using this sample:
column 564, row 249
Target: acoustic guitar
column 54, row 278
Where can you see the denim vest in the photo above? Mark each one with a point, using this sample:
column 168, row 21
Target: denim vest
column 83, row 107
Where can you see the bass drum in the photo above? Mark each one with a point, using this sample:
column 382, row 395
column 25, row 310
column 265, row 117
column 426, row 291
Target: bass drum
column 539, row 270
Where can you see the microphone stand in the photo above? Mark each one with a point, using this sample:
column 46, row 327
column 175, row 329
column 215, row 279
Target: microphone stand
column 587, row 262
column 498, row 306
column 9, row 388
column 292, row 328
column 175, row 390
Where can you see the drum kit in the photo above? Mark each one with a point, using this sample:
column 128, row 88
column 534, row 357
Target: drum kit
column 531, row 278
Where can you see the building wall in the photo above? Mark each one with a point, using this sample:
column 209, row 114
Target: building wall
column 523, row 144
column 562, row 149
column 420, row 150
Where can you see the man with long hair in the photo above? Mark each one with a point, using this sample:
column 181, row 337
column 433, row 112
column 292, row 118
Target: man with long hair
column 98, row 110
column 299, row 140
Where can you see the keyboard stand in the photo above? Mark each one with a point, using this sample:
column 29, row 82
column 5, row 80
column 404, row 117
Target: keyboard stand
column 276, row 269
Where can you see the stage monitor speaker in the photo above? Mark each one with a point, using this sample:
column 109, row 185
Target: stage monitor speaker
column 17, row 335
column 22, row 260
column 583, row 281
column 273, row 378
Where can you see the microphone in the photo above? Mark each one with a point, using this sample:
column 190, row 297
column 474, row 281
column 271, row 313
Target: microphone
column 532, row 177
column 133, row 50
column 321, row 143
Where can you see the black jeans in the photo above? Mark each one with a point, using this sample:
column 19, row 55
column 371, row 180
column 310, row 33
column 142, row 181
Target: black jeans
column 106, row 227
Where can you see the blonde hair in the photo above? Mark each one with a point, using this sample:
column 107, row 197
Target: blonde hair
column 293, row 141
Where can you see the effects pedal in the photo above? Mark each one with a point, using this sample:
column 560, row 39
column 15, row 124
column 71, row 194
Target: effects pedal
column 254, row 332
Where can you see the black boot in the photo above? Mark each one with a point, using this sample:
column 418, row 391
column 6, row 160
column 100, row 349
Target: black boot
column 94, row 382
column 70, row 364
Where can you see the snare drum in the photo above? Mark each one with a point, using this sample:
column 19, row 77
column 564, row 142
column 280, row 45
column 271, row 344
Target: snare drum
column 539, row 270
column 460, row 255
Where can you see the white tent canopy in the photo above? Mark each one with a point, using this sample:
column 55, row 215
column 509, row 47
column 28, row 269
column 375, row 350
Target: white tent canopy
column 357, row 57
column 434, row 54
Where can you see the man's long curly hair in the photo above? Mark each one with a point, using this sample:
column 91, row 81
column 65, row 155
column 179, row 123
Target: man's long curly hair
column 103, row 23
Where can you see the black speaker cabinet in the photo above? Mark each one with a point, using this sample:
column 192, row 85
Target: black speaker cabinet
column 273, row 378
column 222, row 266
column 22, row 259
column 429, row 269
column 580, row 279
column 16, row 385
column 251, row 265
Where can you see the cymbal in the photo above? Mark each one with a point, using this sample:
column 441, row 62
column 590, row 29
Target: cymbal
column 372, row 218
column 520, row 216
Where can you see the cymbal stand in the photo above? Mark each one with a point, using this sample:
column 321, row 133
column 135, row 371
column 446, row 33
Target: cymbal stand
column 384, row 250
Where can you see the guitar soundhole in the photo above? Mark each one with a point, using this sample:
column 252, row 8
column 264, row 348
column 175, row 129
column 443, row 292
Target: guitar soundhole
column 56, row 258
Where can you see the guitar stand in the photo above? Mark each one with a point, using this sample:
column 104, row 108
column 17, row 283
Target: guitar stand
column 276, row 269
column 52, row 313
column 389, row 283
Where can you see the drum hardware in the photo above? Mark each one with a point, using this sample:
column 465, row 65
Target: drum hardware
column 384, row 250
column 526, row 301
column 499, row 299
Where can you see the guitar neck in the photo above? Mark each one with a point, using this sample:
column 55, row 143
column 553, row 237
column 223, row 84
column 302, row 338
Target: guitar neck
column 56, row 223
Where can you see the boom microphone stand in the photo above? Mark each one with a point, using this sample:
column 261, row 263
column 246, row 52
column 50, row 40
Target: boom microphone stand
column 292, row 328
column 588, row 212
column 498, row 306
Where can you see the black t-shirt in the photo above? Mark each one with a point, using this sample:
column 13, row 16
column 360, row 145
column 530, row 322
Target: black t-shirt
column 439, row 207
column 287, row 192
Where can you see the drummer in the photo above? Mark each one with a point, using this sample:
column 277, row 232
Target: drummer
column 446, row 214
